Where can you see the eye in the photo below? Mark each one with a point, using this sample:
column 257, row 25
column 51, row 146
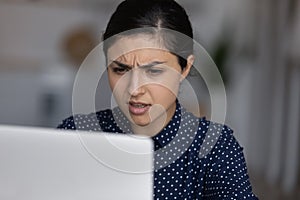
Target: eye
column 153, row 71
column 120, row 70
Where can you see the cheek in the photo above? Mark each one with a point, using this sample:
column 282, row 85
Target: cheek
column 163, row 95
column 112, row 83
column 118, row 85
column 113, row 80
column 170, row 85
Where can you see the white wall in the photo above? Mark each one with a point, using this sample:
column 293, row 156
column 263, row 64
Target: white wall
column 30, row 38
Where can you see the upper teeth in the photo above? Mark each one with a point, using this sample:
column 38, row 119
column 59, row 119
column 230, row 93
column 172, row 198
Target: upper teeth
column 139, row 105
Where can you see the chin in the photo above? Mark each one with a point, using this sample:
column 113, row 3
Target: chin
column 140, row 122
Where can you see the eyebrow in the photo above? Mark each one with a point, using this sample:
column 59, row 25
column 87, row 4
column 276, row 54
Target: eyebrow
column 149, row 65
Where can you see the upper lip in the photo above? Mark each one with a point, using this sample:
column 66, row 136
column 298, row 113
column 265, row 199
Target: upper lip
column 138, row 102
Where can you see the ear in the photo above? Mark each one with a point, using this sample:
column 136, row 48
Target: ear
column 187, row 69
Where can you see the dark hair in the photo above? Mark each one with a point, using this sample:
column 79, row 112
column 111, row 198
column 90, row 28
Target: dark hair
column 154, row 16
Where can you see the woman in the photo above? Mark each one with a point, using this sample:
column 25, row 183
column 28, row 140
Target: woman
column 148, row 46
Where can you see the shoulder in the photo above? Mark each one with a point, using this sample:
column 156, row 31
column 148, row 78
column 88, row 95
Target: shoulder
column 207, row 135
column 91, row 122
column 213, row 138
column 227, row 175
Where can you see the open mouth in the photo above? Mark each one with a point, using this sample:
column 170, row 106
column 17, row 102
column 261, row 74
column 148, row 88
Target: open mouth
column 138, row 108
column 138, row 105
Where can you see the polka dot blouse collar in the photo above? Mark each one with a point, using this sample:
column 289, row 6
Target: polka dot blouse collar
column 168, row 133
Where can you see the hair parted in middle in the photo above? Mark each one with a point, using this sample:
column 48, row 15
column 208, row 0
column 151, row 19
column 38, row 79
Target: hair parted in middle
column 165, row 20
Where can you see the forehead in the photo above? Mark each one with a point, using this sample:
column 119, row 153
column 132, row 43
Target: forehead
column 144, row 46
column 145, row 56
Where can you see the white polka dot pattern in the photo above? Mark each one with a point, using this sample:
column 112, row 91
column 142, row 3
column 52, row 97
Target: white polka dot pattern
column 194, row 158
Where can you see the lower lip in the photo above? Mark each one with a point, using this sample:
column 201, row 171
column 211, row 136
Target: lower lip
column 138, row 111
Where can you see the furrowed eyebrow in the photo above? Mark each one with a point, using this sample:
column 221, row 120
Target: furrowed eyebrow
column 151, row 64
column 142, row 66
column 122, row 64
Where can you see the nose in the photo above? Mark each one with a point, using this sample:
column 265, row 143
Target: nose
column 135, row 86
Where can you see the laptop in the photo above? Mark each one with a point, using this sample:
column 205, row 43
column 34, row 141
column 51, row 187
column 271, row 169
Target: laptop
column 44, row 164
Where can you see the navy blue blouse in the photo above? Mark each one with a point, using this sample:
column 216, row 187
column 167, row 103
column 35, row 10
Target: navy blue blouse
column 194, row 158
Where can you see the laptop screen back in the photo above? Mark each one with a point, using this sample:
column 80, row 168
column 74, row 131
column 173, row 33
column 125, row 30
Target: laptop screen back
column 54, row 164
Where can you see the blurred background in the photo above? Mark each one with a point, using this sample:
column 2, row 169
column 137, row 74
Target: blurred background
column 255, row 44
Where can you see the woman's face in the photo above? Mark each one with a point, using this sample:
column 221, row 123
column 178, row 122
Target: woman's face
column 144, row 79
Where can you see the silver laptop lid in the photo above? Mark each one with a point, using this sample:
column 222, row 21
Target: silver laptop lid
column 47, row 164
